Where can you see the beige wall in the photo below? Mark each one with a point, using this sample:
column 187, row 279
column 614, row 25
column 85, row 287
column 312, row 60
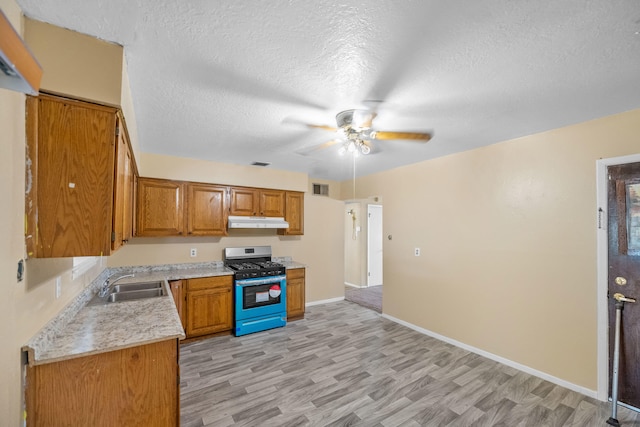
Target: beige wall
column 319, row 248
column 180, row 168
column 76, row 64
column 508, row 238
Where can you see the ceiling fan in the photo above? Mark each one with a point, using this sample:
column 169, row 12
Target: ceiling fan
column 355, row 132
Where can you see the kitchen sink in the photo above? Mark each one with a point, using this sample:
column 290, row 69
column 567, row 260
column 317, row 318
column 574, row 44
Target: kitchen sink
column 132, row 291
column 137, row 286
column 132, row 295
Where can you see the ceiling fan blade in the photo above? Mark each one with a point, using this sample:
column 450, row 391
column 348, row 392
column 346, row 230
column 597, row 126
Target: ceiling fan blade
column 309, row 150
column 385, row 135
column 324, row 127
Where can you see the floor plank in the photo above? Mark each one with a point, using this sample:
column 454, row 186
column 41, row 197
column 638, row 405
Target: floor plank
column 345, row 365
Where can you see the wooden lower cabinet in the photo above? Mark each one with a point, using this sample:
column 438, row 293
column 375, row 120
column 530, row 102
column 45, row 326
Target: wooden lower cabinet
column 177, row 291
column 209, row 305
column 295, row 293
column 137, row 386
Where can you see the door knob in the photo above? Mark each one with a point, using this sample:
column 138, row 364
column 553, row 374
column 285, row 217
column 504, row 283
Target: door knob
column 620, row 281
column 622, row 298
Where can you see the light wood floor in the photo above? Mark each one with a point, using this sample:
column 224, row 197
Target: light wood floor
column 345, row 365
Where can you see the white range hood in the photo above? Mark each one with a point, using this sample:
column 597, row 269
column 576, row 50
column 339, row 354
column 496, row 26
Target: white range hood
column 257, row 222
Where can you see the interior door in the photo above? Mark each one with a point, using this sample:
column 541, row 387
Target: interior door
column 624, row 275
column 374, row 245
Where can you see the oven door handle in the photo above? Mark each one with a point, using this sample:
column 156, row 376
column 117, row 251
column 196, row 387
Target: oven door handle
column 259, row 281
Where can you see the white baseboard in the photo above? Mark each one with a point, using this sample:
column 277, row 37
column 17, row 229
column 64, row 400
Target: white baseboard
column 511, row 363
column 353, row 286
column 324, row 301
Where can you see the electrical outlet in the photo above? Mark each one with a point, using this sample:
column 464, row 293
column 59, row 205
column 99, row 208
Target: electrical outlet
column 194, row 252
column 417, row 251
column 58, row 286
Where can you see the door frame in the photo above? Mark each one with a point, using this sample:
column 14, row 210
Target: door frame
column 602, row 267
column 369, row 233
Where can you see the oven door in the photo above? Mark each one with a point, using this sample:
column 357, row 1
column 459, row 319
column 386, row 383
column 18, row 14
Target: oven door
column 261, row 296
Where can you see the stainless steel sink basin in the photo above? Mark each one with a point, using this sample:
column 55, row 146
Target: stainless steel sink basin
column 137, row 286
column 132, row 295
column 132, row 291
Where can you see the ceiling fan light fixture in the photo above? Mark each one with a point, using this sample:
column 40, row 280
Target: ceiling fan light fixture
column 342, row 150
column 364, row 148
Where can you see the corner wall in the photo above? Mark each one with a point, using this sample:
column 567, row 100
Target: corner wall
column 25, row 306
column 508, row 238
column 76, row 64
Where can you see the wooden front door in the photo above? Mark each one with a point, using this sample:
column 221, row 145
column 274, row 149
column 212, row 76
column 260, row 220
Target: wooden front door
column 624, row 275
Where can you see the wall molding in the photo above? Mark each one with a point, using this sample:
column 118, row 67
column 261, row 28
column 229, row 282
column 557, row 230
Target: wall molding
column 323, row 301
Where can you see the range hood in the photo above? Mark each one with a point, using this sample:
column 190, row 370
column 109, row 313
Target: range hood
column 257, row 222
column 19, row 70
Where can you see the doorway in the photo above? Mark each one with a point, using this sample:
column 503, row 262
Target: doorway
column 363, row 254
column 616, row 180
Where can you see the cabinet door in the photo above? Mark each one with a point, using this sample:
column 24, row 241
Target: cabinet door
column 70, row 169
column 122, row 191
column 178, row 298
column 271, row 203
column 128, row 212
column 135, row 386
column 295, row 293
column 243, row 201
column 294, row 214
column 160, row 207
column 207, row 210
column 209, row 305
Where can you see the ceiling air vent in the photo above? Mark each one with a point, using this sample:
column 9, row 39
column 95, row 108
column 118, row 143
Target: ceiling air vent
column 321, row 189
column 260, row 164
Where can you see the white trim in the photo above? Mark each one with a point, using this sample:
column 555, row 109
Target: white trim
column 602, row 268
column 369, row 239
column 354, row 286
column 323, row 301
column 516, row 365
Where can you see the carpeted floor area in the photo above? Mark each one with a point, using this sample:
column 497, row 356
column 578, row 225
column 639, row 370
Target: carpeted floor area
column 367, row 297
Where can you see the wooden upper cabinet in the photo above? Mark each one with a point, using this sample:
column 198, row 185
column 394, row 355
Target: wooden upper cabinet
column 160, row 207
column 69, row 177
column 123, row 189
column 206, row 210
column 256, row 202
column 271, row 203
column 294, row 214
column 243, row 201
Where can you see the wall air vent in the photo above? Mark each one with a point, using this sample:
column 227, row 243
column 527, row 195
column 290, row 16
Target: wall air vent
column 321, row 189
column 19, row 70
column 260, row 164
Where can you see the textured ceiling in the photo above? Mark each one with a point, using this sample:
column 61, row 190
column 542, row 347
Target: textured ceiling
column 231, row 80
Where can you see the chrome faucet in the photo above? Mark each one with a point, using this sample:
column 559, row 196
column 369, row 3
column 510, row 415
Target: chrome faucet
column 107, row 283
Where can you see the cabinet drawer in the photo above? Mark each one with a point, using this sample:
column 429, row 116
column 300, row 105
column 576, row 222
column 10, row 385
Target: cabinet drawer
column 295, row 273
column 209, row 283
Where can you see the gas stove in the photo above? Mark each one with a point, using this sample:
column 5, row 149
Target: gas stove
column 246, row 270
column 260, row 289
column 252, row 261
